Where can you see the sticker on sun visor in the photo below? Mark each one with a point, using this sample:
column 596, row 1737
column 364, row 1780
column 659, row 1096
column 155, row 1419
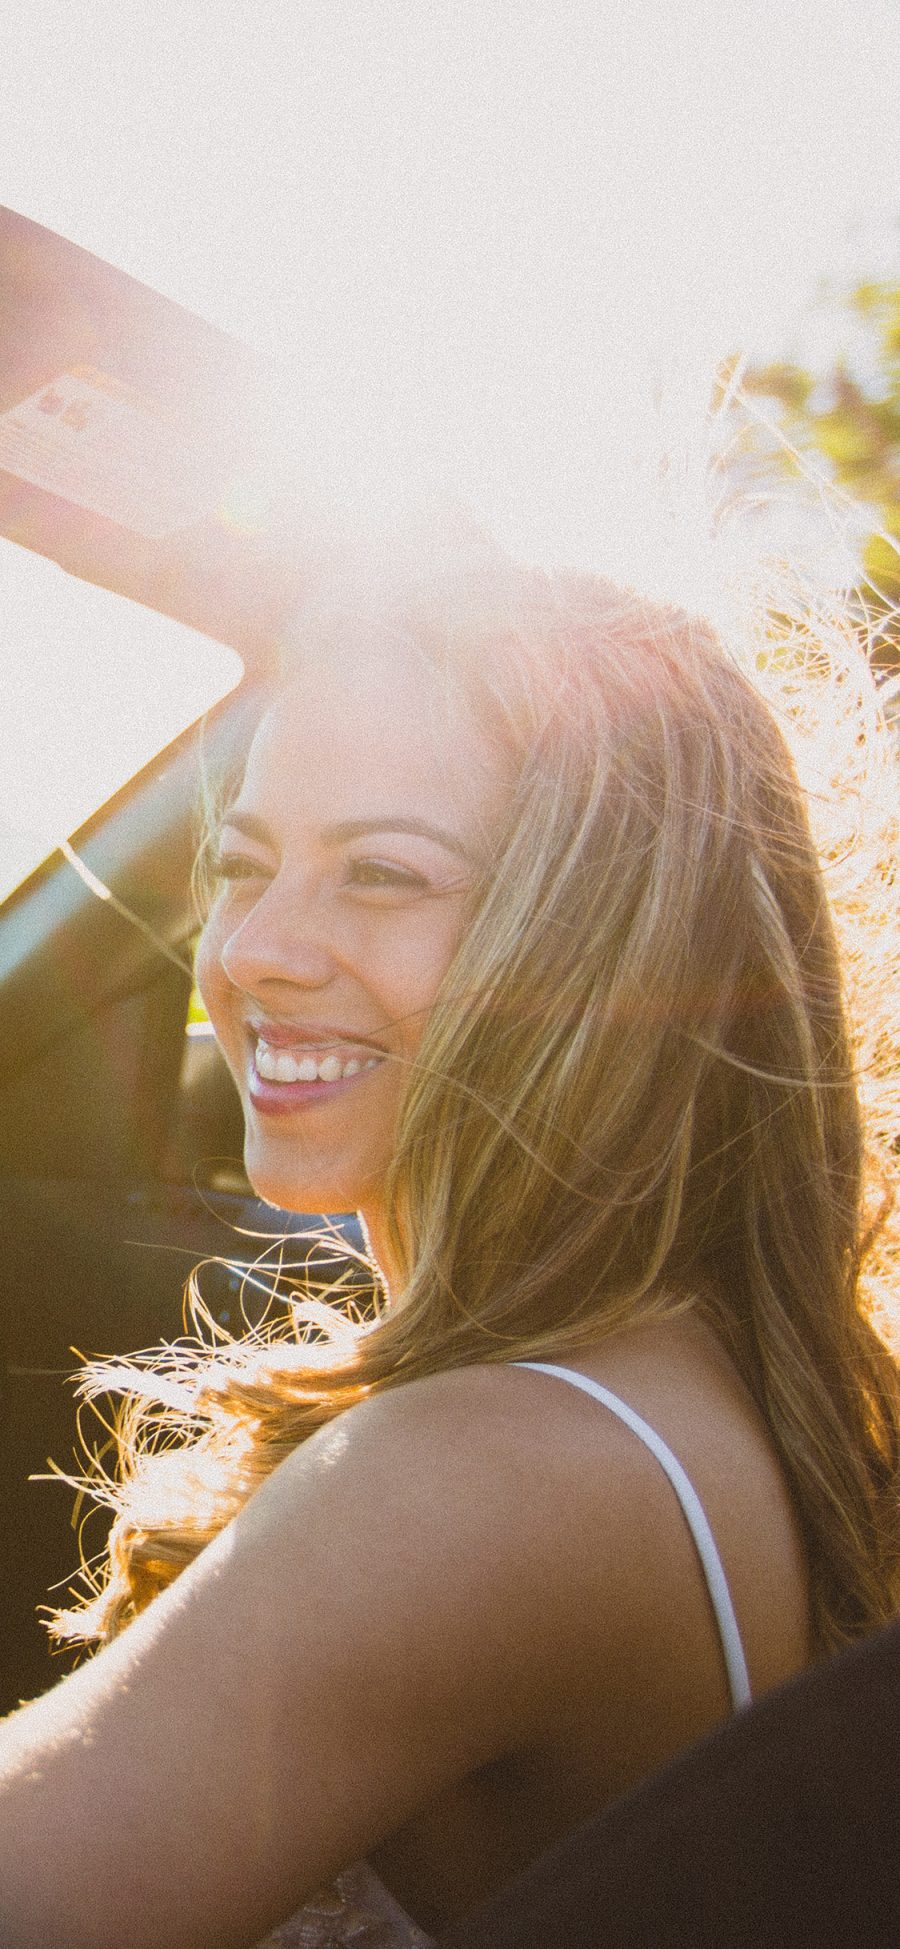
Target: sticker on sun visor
column 107, row 448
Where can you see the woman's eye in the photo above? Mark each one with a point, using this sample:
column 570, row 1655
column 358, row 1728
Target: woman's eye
column 377, row 873
column 234, row 866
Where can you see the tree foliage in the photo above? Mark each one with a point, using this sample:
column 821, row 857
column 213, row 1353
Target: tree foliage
column 838, row 417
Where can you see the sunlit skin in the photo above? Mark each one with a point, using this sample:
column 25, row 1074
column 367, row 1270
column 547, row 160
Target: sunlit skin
column 334, row 921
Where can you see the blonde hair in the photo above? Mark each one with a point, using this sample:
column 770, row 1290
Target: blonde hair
column 635, row 1094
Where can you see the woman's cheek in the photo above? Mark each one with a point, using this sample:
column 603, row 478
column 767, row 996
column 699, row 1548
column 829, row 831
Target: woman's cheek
column 421, row 959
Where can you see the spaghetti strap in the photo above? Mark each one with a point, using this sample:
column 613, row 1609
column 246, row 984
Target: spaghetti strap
column 694, row 1514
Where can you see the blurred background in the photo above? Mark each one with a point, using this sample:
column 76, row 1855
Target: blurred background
column 495, row 245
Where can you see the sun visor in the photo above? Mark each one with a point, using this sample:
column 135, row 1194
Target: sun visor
column 133, row 442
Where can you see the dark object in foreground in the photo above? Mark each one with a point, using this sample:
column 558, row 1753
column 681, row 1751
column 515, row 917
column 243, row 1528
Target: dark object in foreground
column 783, row 1828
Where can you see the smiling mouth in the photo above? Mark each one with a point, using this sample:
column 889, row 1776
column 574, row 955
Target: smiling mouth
column 308, row 1066
column 305, row 1064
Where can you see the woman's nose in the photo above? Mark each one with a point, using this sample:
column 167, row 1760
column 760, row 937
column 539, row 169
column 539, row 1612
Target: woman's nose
column 284, row 940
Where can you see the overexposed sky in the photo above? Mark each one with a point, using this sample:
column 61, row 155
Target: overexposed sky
column 497, row 247
column 478, row 233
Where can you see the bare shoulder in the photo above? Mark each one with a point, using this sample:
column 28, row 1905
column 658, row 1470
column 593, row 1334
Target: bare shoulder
column 574, row 1516
column 676, row 1377
column 516, row 1461
column 458, row 1570
column 480, row 1469
column 506, row 1460
column 372, row 1629
column 493, row 1528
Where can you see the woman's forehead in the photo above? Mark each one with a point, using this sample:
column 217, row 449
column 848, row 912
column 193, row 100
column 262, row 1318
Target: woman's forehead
column 368, row 671
column 372, row 725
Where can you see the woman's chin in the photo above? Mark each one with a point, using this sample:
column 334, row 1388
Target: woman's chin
column 304, row 1191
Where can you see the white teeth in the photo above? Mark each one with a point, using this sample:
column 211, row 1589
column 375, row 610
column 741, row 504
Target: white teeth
column 277, row 1066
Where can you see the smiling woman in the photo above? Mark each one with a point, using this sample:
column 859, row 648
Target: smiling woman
column 344, row 872
column 517, row 942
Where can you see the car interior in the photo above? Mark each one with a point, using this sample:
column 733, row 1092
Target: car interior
column 120, row 1134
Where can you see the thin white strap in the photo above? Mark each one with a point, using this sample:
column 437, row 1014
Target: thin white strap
column 695, row 1517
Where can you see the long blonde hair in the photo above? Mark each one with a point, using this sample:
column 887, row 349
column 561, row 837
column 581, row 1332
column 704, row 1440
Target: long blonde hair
column 635, row 1093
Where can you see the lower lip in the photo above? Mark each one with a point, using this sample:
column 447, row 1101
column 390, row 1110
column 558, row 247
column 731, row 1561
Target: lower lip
column 285, row 1099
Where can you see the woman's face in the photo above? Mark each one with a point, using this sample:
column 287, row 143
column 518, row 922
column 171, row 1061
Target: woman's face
column 344, row 871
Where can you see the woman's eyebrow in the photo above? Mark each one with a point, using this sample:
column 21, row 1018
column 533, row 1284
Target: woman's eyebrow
column 343, row 830
column 251, row 826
